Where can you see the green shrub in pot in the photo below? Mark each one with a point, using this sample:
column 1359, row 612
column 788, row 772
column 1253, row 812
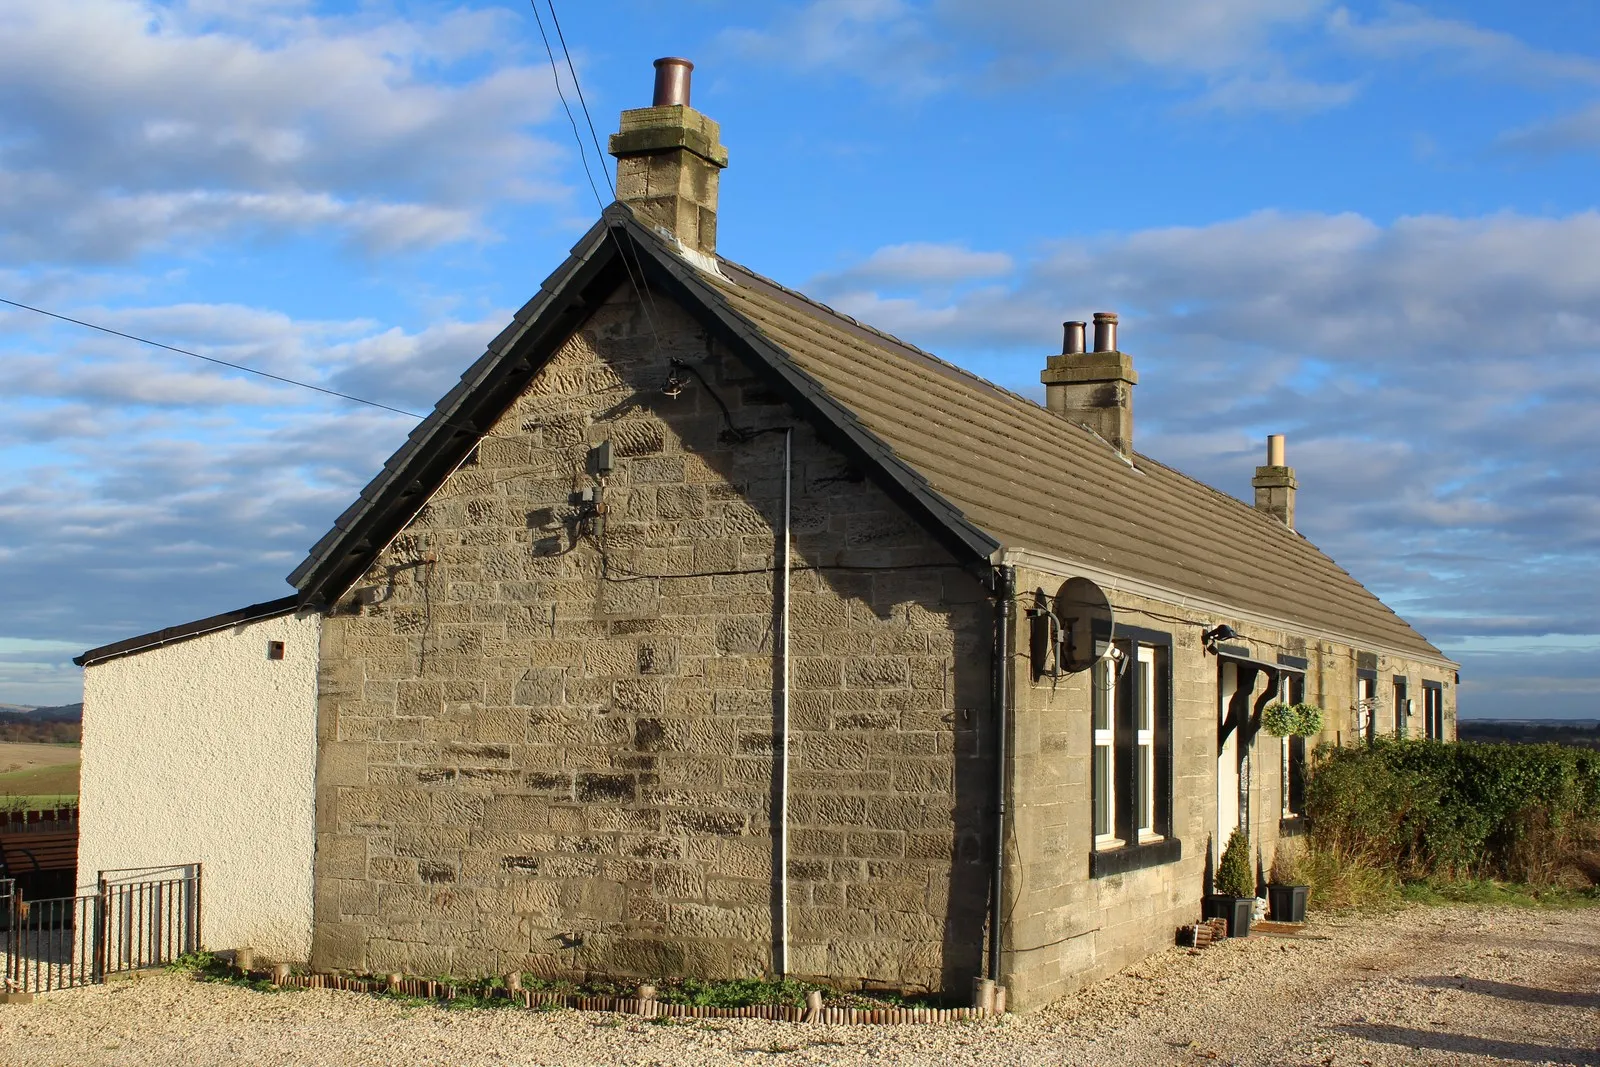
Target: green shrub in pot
column 1287, row 891
column 1236, row 876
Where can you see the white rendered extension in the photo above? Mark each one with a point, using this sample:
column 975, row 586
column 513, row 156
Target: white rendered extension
column 204, row 751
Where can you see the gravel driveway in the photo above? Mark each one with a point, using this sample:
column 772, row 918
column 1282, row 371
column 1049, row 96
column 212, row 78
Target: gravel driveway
column 1417, row 986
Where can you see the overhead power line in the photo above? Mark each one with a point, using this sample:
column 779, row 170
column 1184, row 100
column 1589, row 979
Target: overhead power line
column 211, row 359
column 588, row 118
column 555, row 72
column 647, row 300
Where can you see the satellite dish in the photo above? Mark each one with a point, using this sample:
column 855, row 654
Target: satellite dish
column 1086, row 624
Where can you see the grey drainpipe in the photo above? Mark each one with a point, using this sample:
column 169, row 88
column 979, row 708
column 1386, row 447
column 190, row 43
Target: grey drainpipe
column 1005, row 579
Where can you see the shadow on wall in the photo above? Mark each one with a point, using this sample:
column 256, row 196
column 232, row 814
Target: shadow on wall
column 731, row 420
column 665, row 774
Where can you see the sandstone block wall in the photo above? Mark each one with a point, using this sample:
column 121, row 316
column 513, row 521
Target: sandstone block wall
column 1067, row 928
column 549, row 747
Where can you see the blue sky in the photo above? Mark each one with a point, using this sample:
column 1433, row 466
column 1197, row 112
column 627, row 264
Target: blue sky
column 1369, row 226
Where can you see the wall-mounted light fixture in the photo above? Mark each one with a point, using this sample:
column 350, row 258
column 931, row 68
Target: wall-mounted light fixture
column 1220, row 632
column 675, row 381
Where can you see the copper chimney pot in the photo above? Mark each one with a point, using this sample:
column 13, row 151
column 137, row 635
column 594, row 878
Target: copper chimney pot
column 672, row 82
column 1105, row 331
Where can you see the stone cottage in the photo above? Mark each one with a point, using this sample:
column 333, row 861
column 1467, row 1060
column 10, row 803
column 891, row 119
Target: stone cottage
column 702, row 629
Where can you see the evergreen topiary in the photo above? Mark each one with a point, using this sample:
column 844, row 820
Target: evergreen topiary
column 1280, row 719
column 1236, row 875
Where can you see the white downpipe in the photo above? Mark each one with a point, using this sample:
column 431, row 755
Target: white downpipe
column 783, row 726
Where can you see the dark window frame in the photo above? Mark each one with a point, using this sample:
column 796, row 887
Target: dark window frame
column 1295, row 786
column 1401, row 685
column 1370, row 675
column 1132, row 855
column 1433, row 716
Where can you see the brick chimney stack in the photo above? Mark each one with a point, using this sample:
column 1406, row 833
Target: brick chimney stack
column 1275, row 484
column 1095, row 388
column 669, row 158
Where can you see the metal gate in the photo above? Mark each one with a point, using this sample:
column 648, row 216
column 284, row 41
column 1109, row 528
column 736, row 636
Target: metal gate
column 135, row 919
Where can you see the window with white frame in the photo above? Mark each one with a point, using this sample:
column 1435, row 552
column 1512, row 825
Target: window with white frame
column 1144, row 744
column 1292, row 690
column 1105, row 752
column 1131, row 768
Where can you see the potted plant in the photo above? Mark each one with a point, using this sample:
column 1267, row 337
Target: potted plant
column 1235, row 898
column 1287, row 891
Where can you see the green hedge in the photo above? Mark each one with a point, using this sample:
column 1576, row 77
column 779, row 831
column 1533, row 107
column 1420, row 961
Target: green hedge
column 1527, row 813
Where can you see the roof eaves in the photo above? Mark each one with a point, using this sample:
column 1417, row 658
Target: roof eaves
column 199, row 628
column 449, row 429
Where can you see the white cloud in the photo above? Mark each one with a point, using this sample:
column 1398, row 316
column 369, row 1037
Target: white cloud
column 140, row 488
column 1276, row 91
column 1436, row 376
column 1578, row 131
column 1179, row 35
column 924, row 262
column 1230, row 56
column 1408, row 33
column 921, row 48
column 127, row 125
column 886, row 42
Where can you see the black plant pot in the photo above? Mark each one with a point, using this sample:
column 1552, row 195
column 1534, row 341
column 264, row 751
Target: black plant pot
column 1237, row 910
column 1287, row 903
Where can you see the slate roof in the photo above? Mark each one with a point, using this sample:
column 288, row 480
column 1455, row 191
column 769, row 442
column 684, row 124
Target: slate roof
column 983, row 467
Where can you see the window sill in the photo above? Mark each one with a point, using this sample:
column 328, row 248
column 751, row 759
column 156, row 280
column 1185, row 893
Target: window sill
column 1293, row 826
column 1106, row 862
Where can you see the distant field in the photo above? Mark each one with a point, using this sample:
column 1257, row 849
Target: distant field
column 1584, row 733
column 27, row 757
column 37, row 775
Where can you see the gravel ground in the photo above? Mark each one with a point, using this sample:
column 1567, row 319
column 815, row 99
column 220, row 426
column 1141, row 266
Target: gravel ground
column 1418, row 986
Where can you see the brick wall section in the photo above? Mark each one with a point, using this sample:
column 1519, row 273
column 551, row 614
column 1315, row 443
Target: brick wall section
column 530, row 758
column 1066, row 928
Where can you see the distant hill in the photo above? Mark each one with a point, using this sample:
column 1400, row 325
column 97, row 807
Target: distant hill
column 62, row 724
column 1584, row 733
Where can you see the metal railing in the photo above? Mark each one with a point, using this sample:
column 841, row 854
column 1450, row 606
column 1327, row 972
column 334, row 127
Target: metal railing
column 125, row 925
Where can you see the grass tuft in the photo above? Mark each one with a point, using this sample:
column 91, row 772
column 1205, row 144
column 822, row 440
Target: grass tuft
column 208, row 967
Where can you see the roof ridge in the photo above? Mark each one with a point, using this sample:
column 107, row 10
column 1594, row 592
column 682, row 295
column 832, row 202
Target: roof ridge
column 1346, row 595
column 1012, row 394
column 884, row 334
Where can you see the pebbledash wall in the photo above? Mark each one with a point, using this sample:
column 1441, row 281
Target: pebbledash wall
column 1068, row 925
column 552, row 749
column 204, row 751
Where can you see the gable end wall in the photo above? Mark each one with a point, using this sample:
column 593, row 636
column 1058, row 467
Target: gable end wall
column 531, row 758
